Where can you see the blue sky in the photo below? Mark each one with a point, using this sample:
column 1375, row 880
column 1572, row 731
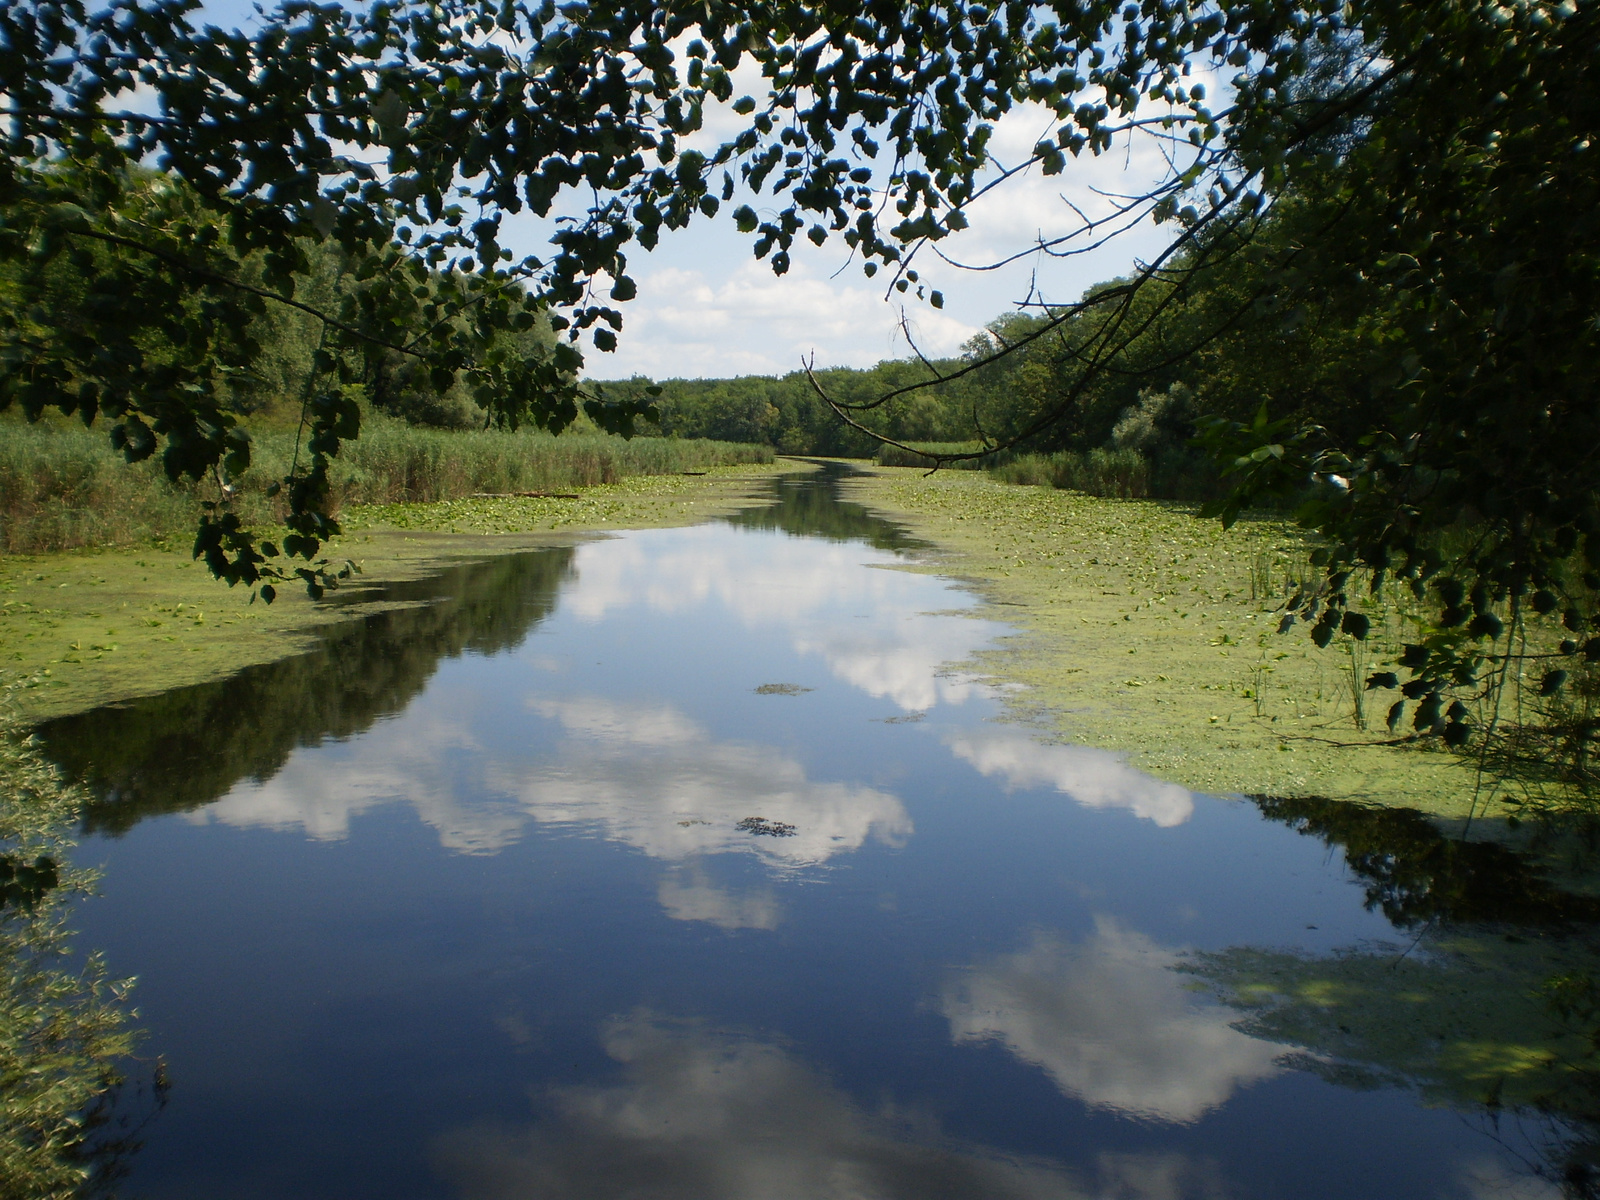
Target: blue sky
column 706, row 307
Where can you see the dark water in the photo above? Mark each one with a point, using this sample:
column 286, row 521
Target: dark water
column 540, row 890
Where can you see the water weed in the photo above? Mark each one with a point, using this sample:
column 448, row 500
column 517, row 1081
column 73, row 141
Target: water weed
column 1147, row 629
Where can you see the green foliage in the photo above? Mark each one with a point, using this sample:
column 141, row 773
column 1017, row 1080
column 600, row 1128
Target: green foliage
column 787, row 412
column 922, row 454
column 1122, row 474
column 1451, row 297
column 63, row 1025
column 404, row 134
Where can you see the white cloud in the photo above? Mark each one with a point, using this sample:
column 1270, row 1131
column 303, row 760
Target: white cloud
column 707, row 308
column 1094, row 778
column 701, row 1114
column 1111, row 1023
column 698, row 320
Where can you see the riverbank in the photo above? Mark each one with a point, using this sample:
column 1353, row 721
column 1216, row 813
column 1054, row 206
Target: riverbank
column 82, row 628
column 1146, row 629
column 64, row 487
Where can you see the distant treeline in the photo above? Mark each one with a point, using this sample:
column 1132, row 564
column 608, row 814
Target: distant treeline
column 1134, row 443
column 1111, row 399
column 786, row 413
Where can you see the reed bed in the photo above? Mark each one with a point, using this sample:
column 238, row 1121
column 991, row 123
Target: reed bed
column 894, row 456
column 62, row 488
column 1120, row 474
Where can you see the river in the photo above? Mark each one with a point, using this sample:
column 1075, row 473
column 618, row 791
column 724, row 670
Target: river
column 684, row 863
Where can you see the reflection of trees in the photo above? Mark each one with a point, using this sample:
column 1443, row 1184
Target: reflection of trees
column 1491, row 1010
column 63, row 1033
column 809, row 505
column 1416, row 873
column 183, row 749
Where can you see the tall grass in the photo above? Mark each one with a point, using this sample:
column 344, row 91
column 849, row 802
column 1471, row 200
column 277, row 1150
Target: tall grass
column 894, row 456
column 1124, row 474
column 66, row 487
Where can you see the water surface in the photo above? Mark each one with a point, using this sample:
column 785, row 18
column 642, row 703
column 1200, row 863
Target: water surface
column 684, row 863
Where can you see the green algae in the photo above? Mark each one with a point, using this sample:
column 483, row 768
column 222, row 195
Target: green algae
column 1465, row 1020
column 83, row 628
column 1147, row 629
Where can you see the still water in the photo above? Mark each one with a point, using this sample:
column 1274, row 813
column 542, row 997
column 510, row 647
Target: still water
column 682, row 864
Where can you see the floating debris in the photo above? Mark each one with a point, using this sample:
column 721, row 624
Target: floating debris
column 904, row 719
column 762, row 827
column 781, row 689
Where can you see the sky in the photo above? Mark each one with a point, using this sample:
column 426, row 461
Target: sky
column 707, row 308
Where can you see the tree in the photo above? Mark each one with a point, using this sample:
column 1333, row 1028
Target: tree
column 874, row 128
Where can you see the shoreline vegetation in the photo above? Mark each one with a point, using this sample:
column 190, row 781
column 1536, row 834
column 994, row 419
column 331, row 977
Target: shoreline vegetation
column 74, row 1093
column 1142, row 628
column 64, row 487
column 1145, row 629
column 90, row 626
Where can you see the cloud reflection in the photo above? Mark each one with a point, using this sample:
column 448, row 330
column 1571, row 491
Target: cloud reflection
column 646, row 774
column 418, row 760
column 1094, row 778
column 866, row 625
column 700, row 1114
column 658, row 782
column 688, row 895
column 1111, row 1023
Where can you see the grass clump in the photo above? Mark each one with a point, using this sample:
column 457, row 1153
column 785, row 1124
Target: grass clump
column 65, row 487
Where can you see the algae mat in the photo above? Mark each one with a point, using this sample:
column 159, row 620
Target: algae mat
column 1147, row 629
column 83, row 628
